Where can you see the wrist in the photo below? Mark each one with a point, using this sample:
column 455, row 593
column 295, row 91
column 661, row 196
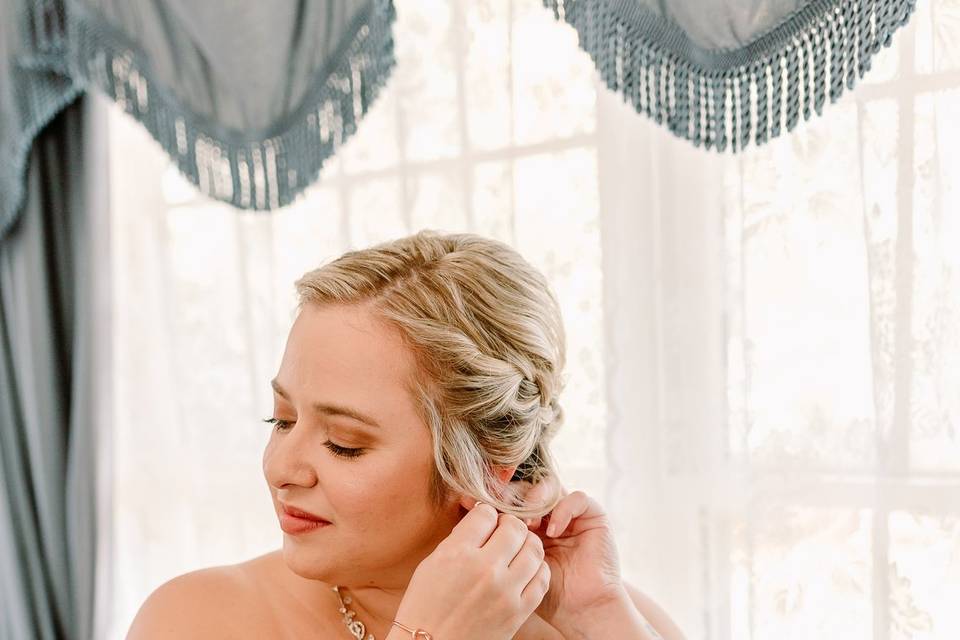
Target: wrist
column 409, row 621
column 403, row 632
column 614, row 598
column 613, row 615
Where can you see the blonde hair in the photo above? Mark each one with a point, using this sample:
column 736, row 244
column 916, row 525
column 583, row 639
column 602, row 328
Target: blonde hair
column 488, row 338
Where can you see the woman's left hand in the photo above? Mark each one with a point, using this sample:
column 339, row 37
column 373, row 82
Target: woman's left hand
column 579, row 546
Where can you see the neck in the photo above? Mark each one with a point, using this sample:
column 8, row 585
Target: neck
column 375, row 607
column 314, row 603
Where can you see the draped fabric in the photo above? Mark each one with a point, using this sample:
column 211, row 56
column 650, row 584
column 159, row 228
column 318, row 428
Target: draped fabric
column 723, row 73
column 762, row 348
column 249, row 100
column 494, row 126
column 53, row 363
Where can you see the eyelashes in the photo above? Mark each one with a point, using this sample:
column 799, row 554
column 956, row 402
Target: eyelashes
column 281, row 426
column 343, row 452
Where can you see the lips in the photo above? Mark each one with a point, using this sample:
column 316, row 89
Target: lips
column 296, row 521
column 303, row 515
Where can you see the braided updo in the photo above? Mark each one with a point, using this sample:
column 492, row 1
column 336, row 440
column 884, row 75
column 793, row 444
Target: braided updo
column 487, row 335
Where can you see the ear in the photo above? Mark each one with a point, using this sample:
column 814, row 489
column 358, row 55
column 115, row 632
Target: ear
column 502, row 474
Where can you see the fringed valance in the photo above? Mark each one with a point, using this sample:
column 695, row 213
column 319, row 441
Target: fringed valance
column 249, row 99
column 724, row 72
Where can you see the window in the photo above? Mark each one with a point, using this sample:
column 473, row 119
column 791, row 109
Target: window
column 763, row 348
column 488, row 124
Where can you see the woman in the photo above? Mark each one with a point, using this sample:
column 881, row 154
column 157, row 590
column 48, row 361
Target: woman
column 413, row 411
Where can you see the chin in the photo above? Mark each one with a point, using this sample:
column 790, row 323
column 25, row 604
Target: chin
column 311, row 563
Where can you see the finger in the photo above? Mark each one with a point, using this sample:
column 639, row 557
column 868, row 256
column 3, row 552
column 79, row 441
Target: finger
column 505, row 542
column 571, row 507
column 538, row 586
column 468, row 502
column 527, row 561
column 536, row 494
column 475, row 528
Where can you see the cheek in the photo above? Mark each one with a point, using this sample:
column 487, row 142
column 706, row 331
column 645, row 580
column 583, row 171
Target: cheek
column 379, row 497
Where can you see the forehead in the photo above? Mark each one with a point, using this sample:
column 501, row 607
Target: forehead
column 347, row 355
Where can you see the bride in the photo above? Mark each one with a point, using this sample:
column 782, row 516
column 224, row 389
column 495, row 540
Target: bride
column 410, row 469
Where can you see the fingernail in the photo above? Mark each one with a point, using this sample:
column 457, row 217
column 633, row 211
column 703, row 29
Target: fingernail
column 552, row 530
column 478, row 503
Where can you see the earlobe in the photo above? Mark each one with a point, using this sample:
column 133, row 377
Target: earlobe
column 467, row 502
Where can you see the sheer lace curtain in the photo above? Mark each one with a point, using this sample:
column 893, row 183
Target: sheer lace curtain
column 763, row 348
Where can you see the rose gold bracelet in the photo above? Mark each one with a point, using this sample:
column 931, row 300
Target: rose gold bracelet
column 416, row 634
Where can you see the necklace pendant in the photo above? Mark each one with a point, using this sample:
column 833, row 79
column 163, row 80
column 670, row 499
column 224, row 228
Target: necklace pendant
column 355, row 627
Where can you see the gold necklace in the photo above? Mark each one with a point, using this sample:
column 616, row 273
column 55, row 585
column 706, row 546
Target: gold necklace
column 357, row 628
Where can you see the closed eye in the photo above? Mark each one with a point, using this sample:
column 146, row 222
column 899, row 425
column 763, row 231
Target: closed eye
column 281, row 426
column 343, row 452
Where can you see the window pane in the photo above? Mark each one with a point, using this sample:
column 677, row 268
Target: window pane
column 798, row 269
column 803, row 573
column 935, row 323
column 557, row 230
column 924, row 576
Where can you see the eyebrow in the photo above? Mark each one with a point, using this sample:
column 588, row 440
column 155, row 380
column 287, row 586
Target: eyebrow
column 329, row 409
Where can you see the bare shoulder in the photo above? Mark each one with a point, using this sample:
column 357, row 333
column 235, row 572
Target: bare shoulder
column 207, row 603
column 655, row 614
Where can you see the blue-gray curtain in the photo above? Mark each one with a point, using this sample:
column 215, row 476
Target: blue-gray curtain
column 249, row 100
column 724, row 73
column 48, row 431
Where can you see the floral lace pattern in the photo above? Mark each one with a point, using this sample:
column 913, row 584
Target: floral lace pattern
column 833, row 509
column 844, row 294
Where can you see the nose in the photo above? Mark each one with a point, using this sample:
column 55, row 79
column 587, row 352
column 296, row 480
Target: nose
column 287, row 460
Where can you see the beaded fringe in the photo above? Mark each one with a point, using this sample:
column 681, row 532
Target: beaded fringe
column 248, row 171
column 714, row 98
column 264, row 173
column 726, row 98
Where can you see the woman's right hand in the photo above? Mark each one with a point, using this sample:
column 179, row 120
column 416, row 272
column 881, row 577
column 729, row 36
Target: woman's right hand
column 482, row 581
